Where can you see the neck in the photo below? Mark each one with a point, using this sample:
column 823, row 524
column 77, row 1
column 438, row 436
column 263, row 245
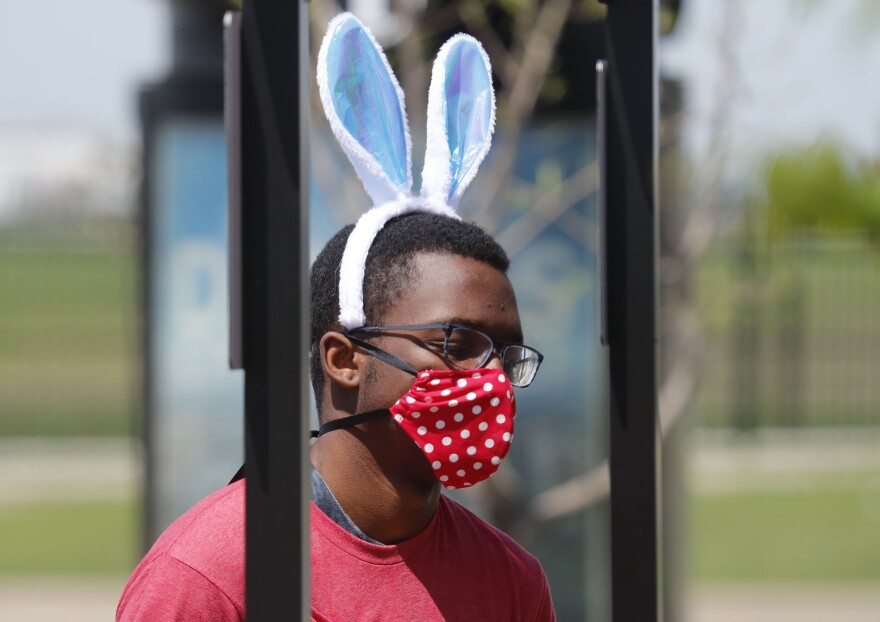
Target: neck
column 383, row 497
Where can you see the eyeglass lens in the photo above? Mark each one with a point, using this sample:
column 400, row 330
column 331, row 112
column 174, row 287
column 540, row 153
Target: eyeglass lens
column 520, row 364
column 469, row 349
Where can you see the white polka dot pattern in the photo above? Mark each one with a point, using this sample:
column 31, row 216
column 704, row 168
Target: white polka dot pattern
column 464, row 447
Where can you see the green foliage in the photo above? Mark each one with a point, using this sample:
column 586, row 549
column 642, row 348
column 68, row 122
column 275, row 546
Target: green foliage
column 589, row 10
column 863, row 19
column 669, row 12
column 818, row 189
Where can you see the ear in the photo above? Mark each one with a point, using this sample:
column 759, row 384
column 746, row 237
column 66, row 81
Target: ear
column 341, row 361
column 461, row 118
column 364, row 105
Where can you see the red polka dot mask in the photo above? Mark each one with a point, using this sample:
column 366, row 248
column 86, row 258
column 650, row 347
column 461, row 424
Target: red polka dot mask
column 461, row 419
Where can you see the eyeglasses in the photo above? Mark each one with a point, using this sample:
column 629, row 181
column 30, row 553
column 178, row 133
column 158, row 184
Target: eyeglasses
column 462, row 348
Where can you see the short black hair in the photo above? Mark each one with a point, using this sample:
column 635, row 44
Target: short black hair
column 388, row 270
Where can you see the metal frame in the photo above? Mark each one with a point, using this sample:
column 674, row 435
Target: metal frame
column 274, row 236
column 275, row 340
column 631, row 235
column 192, row 96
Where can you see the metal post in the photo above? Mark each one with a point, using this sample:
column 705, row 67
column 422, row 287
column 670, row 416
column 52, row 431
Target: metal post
column 190, row 95
column 631, row 245
column 274, row 206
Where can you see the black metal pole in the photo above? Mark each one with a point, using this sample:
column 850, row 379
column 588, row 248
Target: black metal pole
column 275, row 293
column 632, row 242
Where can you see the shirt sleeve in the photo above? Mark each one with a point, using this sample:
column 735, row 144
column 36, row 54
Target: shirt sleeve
column 168, row 590
column 545, row 611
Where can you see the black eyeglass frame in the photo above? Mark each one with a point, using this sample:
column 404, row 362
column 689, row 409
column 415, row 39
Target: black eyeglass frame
column 498, row 347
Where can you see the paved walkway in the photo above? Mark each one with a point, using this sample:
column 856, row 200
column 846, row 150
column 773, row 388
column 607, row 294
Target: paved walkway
column 35, row 470
column 59, row 599
column 792, row 603
column 775, row 459
column 88, row 469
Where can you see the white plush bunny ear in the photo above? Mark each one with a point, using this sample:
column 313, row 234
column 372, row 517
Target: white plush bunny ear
column 461, row 118
column 364, row 105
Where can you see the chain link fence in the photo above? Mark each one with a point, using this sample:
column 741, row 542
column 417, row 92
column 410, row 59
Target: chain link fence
column 68, row 328
column 792, row 333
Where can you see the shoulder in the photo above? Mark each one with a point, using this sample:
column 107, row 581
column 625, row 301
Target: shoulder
column 492, row 539
column 210, row 536
column 489, row 547
column 200, row 557
column 167, row 589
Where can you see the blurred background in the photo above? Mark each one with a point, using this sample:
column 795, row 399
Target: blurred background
column 117, row 411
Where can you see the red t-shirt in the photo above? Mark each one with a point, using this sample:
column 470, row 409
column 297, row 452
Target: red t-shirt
column 457, row 568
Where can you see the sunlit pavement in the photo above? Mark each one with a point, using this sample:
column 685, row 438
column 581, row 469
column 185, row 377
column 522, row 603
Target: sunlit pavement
column 78, row 469
column 789, row 603
column 777, row 460
column 37, row 470
column 59, row 599
column 774, row 459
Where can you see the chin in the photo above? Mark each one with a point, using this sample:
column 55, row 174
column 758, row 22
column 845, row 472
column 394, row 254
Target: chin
column 425, row 478
column 417, row 467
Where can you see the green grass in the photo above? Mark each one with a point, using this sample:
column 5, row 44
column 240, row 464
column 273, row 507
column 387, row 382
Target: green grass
column 67, row 338
column 93, row 538
column 823, row 533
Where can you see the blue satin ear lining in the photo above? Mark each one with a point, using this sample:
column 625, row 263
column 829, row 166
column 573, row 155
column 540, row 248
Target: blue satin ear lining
column 365, row 99
column 468, row 109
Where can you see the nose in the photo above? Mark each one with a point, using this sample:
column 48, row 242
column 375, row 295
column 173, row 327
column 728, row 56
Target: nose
column 494, row 361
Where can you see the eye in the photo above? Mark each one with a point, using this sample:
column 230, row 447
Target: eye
column 433, row 340
column 434, row 344
column 457, row 346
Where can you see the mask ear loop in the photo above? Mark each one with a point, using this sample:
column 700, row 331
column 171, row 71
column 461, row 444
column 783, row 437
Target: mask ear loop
column 349, row 422
column 353, row 420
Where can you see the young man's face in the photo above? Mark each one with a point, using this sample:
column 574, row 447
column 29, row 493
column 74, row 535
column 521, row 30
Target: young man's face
column 443, row 289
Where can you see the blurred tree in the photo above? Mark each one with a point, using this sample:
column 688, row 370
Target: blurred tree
column 865, row 18
column 817, row 189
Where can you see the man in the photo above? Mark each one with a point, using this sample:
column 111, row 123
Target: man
column 416, row 350
column 442, row 322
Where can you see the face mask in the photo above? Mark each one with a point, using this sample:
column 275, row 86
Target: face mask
column 462, row 420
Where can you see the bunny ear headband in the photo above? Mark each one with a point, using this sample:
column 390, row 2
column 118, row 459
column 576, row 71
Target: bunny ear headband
column 364, row 105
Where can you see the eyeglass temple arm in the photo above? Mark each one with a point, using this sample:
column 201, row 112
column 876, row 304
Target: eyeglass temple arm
column 384, row 356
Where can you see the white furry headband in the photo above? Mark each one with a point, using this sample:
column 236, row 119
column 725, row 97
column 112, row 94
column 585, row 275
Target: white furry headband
column 364, row 105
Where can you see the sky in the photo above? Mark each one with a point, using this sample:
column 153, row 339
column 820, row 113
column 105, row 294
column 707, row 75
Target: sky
column 800, row 76
column 75, row 66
